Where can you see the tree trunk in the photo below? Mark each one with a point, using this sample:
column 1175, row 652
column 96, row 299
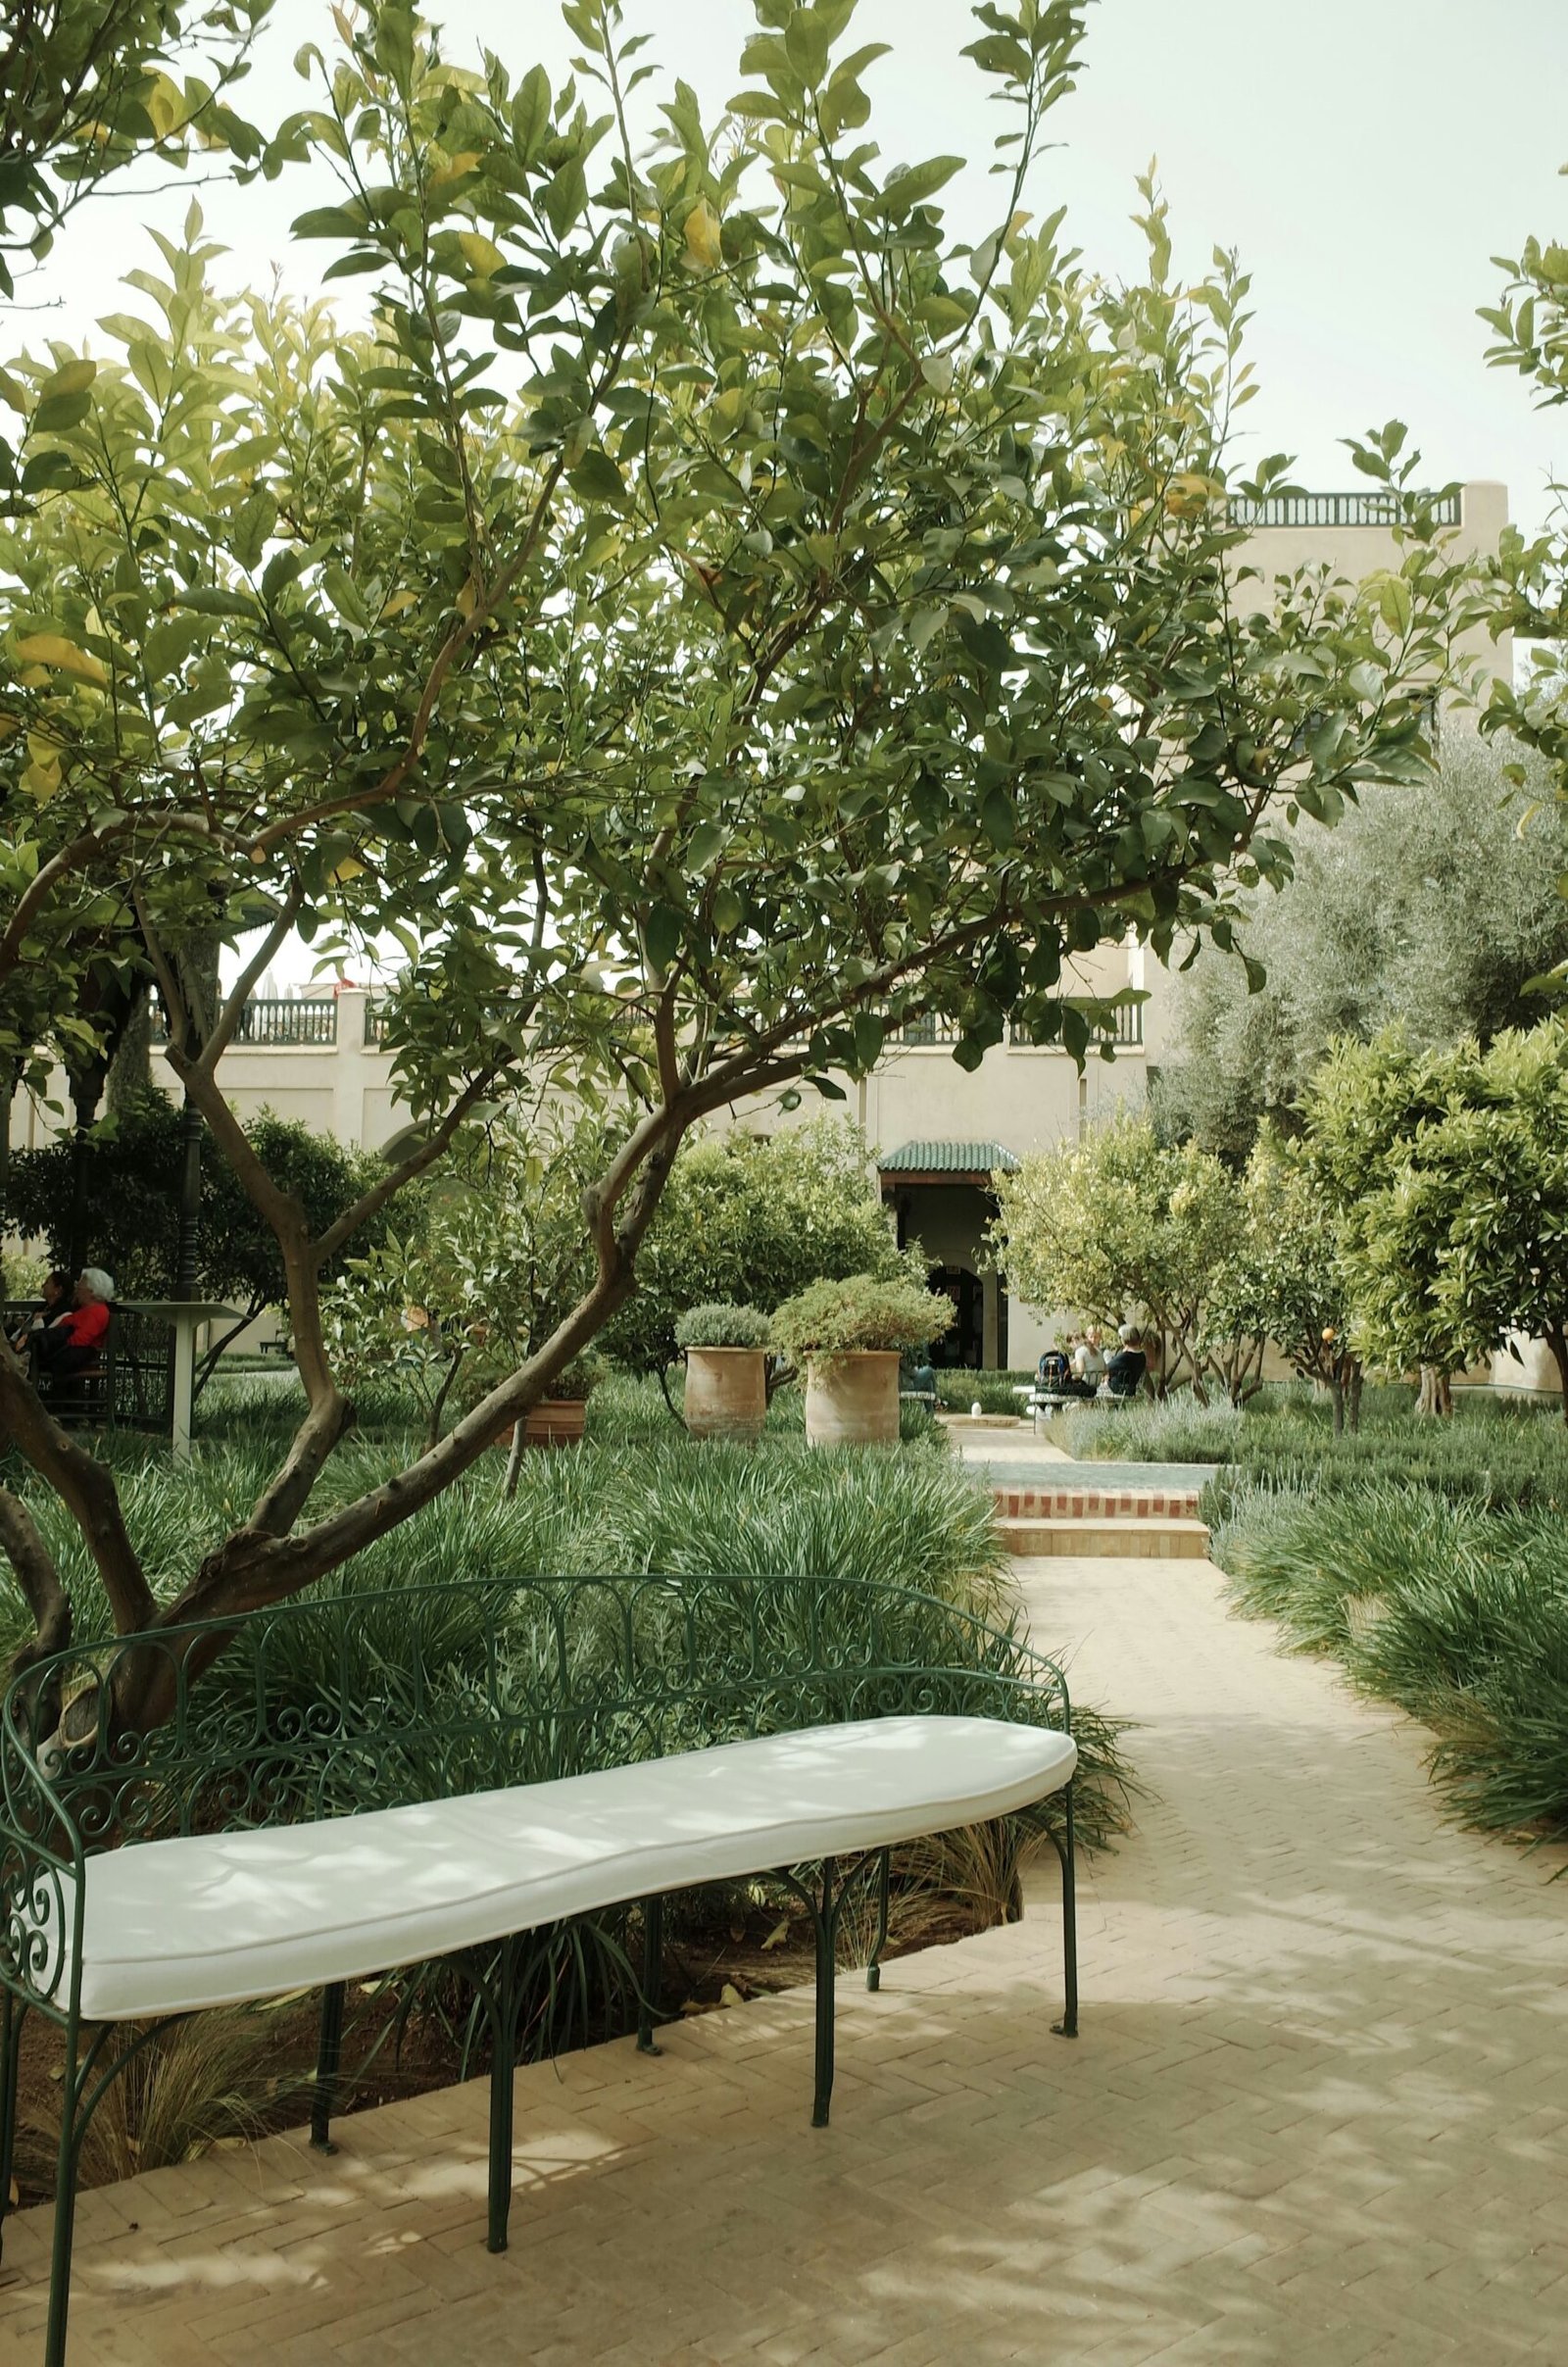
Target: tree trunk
column 1336, row 1393
column 1436, row 1393
column 8, row 1096
column 130, row 1072
column 1557, row 1340
column 187, row 1252
column 85, row 1092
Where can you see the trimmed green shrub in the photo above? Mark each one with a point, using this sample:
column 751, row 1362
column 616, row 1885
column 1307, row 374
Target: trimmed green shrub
column 723, row 1326
column 959, row 1388
column 864, row 1310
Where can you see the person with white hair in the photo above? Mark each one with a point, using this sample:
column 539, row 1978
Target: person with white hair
column 75, row 1341
column 1125, row 1369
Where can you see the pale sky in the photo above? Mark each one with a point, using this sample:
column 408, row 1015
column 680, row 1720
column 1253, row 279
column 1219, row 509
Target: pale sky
column 1367, row 157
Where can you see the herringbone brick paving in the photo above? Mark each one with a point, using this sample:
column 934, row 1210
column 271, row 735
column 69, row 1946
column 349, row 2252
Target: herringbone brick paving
column 1318, row 2115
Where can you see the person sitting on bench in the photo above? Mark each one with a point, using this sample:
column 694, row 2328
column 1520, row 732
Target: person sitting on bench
column 73, row 1343
column 1125, row 1369
column 1089, row 1362
column 54, row 1301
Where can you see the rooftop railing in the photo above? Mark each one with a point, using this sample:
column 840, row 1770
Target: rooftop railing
column 289, row 1020
column 1125, row 1026
column 310, row 1022
column 1335, row 510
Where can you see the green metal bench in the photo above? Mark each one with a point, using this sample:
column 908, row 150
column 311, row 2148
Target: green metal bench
column 504, row 1753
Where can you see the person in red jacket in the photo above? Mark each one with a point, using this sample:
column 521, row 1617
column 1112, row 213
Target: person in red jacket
column 75, row 1339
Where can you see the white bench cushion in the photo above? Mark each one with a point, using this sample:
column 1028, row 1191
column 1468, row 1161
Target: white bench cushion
column 222, row 1919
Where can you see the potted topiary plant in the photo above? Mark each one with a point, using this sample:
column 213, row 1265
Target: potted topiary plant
column 849, row 1336
column 726, row 1370
column 558, row 1420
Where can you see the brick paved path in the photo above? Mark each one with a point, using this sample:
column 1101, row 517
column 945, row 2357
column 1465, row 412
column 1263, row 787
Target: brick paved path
column 1319, row 2111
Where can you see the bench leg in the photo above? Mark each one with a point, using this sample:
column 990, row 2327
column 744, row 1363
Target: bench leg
column 328, row 2065
column 502, row 2010
column 873, row 1971
column 1068, row 2027
column 71, row 2082
column 12, row 2014
column 650, row 1996
column 827, row 1921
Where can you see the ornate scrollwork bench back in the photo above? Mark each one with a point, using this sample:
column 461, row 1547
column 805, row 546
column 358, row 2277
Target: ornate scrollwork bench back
column 353, row 1701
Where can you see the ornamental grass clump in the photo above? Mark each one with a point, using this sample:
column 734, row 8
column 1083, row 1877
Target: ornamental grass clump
column 1454, row 1613
column 863, row 1311
column 889, row 1568
column 1493, row 1453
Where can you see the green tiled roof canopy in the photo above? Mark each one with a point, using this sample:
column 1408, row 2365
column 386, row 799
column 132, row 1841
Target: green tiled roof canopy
column 948, row 1158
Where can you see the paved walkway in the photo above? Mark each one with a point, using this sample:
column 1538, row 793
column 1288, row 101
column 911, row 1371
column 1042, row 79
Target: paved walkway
column 1318, row 2115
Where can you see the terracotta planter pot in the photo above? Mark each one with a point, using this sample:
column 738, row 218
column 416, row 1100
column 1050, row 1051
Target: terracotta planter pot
column 555, row 1422
column 726, row 1392
column 853, row 1400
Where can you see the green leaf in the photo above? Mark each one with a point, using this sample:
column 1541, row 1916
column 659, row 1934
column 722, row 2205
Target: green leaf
column 998, row 820
column 72, row 378
column 56, row 414
column 709, row 841
column 807, row 39
column 597, row 479
column 999, row 53
column 662, row 933
column 564, row 197
column 911, row 187
column 1394, row 602
column 331, row 222
column 530, row 115
column 344, row 594
column 50, row 472
column 209, row 601
column 869, row 1030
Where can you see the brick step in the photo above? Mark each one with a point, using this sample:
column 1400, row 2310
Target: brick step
column 1143, row 1540
column 1097, row 1504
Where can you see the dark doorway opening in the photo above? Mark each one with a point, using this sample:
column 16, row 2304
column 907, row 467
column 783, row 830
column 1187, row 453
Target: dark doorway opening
column 964, row 1344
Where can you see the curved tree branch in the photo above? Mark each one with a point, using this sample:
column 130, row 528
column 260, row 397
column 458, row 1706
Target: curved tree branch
column 39, row 1580
column 88, row 1489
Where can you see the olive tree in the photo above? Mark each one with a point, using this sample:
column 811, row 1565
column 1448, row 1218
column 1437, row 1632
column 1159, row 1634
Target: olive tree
column 713, row 616
column 1435, row 908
